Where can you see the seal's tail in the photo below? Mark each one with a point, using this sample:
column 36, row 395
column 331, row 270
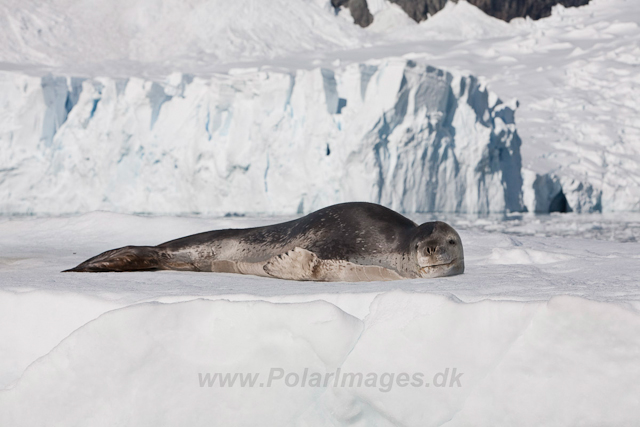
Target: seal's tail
column 129, row 258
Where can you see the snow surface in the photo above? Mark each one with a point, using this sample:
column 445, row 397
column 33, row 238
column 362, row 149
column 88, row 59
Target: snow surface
column 157, row 33
column 574, row 73
column 536, row 321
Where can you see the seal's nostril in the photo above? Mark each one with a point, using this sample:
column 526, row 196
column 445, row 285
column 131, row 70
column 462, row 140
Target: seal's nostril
column 430, row 250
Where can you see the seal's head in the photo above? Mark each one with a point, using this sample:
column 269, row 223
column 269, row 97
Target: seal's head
column 437, row 249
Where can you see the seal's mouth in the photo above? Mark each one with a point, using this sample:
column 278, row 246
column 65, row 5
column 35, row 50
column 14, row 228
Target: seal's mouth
column 426, row 267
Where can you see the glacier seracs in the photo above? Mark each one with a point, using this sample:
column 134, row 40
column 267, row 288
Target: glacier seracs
column 392, row 131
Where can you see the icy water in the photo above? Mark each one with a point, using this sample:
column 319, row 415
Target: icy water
column 621, row 227
column 618, row 227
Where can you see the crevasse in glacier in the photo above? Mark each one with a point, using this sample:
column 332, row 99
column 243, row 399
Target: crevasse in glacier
column 392, row 131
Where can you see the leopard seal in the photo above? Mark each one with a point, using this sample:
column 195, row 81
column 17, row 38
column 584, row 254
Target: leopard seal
column 349, row 242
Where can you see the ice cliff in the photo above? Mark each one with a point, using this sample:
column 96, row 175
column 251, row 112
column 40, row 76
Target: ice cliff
column 392, row 131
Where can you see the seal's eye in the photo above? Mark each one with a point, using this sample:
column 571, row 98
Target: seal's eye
column 452, row 242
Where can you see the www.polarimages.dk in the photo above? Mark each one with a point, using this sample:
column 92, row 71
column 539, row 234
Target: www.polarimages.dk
column 383, row 381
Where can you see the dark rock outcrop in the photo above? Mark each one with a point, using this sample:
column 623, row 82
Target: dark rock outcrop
column 418, row 9
column 535, row 9
column 359, row 10
column 501, row 9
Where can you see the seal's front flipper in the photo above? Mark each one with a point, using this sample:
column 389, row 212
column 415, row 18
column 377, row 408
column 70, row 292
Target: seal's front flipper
column 301, row 264
column 296, row 264
column 129, row 258
column 344, row 271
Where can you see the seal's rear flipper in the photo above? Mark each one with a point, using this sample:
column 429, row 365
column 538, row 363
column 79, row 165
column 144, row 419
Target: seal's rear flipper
column 129, row 258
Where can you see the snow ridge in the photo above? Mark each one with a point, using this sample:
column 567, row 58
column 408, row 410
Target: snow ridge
column 501, row 351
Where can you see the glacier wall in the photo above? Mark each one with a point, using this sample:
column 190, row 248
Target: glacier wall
column 392, row 131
